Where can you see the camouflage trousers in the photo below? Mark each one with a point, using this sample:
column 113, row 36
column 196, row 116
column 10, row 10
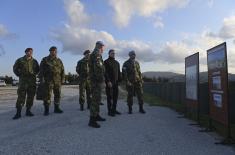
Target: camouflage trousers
column 84, row 89
column 96, row 89
column 26, row 88
column 49, row 88
column 135, row 89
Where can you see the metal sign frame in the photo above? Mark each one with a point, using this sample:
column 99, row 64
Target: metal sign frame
column 218, row 83
column 192, row 84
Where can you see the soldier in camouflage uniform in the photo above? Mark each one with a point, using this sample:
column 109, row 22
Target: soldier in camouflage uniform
column 26, row 68
column 133, row 78
column 96, row 66
column 52, row 74
column 84, row 80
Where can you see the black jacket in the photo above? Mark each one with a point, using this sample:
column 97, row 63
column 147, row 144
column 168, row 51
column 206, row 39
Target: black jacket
column 112, row 71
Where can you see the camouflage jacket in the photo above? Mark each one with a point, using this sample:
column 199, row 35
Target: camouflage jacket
column 83, row 69
column 96, row 67
column 26, row 68
column 131, row 71
column 52, row 70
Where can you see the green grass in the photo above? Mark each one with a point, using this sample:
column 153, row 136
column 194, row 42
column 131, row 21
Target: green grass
column 153, row 100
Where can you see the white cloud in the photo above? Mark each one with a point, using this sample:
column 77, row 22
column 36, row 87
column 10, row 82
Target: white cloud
column 126, row 9
column 77, row 15
column 228, row 29
column 143, row 50
column 158, row 23
column 75, row 38
column 174, row 52
column 5, row 34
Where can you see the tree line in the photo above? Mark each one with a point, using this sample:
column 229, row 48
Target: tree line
column 73, row 79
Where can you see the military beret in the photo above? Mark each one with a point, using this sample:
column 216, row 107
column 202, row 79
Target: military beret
column 86, row 52
column 52, row 48
column 100, row 43
column 131, row 53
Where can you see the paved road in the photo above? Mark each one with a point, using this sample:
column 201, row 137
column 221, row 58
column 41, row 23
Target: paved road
column 159, row 132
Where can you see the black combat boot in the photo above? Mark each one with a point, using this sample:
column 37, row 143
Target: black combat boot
column 101, row 103
column 141, row 110
column 18, row 113
column 28, row 112
column 46, row 110
column 93, row 123
column 130, row 109
column 99, row 118
column 109, row 113
column 81, row 107
column 57, row 109
column 115, row 110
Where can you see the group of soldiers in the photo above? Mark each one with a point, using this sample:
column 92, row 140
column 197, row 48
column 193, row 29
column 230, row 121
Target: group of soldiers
column 92, row 71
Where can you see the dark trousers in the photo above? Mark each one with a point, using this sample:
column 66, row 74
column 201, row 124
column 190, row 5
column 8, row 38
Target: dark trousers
column 112, row 97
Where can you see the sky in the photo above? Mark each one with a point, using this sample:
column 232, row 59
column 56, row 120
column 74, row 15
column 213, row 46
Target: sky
column 162, row 32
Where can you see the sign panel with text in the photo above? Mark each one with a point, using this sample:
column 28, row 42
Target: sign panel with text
column 192, row 82
column 218, row 83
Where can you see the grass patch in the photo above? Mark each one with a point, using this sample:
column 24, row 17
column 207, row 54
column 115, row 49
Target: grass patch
column 153, row 100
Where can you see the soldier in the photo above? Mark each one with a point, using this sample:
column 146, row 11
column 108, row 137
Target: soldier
column 112, row 78
column 52, row 74
column 84, row 80
column 97, row 77
column 26, row 68
column 133, row 78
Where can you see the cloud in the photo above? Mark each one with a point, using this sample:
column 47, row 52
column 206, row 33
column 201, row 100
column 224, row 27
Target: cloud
column 228, row 29
column 173, row 52
column 2, row 50
column 75, row 37
column 126, row 9
column 143, row 50
column 158, row 23
column 77, row 15
column 5, row 34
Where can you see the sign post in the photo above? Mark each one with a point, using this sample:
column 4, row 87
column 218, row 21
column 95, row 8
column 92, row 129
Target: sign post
column 218, row 88
column 192, row 85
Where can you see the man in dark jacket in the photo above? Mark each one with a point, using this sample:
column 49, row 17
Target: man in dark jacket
column 112, row 78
